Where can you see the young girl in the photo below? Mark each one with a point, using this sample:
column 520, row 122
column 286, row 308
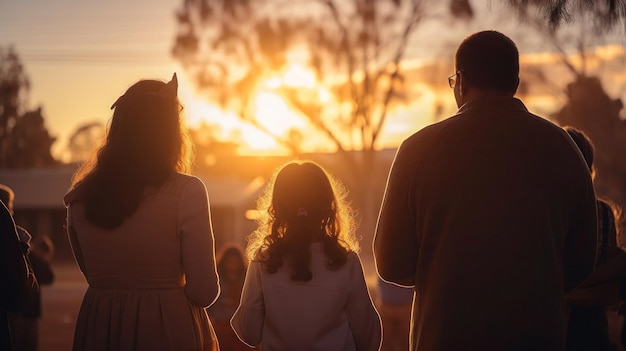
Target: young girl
column 305, row 289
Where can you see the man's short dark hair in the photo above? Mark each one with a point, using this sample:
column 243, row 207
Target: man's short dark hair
column 489, row 60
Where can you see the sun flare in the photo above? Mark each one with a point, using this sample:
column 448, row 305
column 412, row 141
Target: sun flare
column 274, row 113
column 299, row 76
column 271, row 110
column 268, row 108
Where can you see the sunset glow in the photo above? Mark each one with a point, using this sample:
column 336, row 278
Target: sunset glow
column 273, row 112
column 299, row 76
column 426, row 106
column 268, row 108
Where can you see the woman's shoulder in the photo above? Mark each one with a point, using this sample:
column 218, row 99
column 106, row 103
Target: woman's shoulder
column 178, row 186
column 179, row 182
column 184, row 178
column 74, row 194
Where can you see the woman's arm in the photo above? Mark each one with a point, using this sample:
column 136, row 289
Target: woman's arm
column 74, row 243
column 197, row 244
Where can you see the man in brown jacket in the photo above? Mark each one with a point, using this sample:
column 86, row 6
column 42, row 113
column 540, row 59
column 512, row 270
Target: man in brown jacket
column 490, row 215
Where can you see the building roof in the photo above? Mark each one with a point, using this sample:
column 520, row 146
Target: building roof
column 45, row 188
column 41, row 188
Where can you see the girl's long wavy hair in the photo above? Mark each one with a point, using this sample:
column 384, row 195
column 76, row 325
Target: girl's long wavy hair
column 145, row 143
column 301, row 205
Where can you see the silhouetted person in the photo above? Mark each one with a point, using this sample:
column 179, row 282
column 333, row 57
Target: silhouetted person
column 588, row 326
column 305, row 288
column 490, row 215
column 141, row 233
column 231, row 267
column 25, row 319
column 622, row 311
column 8, row 197
column 15, row 276
column 394, row 306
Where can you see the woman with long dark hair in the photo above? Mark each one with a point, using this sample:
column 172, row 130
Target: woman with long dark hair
column 141, row 233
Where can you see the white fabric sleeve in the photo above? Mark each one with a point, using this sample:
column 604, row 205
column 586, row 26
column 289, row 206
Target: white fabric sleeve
column 247, row 322
column 362, row 316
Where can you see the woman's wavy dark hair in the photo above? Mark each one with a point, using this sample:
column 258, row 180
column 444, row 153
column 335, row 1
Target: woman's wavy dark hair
column 145, row 143
column 302, row 204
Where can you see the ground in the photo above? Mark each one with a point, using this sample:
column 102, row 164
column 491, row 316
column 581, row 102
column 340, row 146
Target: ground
column 61, row 302
column 60, row 305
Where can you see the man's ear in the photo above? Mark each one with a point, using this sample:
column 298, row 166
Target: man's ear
column 463, row 86
column 516, row 85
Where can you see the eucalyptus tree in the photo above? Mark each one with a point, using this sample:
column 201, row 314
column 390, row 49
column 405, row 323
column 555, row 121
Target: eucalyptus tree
column 355, row 50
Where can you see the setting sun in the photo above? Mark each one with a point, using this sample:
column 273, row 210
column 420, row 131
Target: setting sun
column 272, row 111
column 299, row 76
column 268, row 108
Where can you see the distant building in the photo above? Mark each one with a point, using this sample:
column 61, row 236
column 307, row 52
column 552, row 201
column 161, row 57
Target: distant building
column 39, row 204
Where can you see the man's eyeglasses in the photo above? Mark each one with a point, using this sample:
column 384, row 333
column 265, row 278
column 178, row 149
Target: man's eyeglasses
column 452, row 79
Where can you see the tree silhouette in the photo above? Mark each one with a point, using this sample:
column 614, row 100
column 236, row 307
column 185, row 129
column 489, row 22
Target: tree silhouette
column 84, row 140
column 14, row 86
column 587, row 105
column 24, row 139
column 590, row 109
column 355, row 49
column 29, row 142
column 605, row 14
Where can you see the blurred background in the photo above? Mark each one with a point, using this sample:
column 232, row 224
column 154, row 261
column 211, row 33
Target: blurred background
column 341, row 82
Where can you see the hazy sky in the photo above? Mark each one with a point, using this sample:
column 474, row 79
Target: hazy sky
column 81, row 55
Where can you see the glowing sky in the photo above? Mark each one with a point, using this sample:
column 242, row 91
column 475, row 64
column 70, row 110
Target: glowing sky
column 81, row 55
